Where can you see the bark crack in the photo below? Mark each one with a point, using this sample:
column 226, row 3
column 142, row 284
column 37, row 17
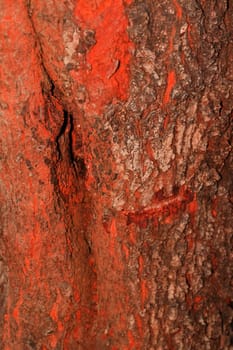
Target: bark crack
column 64, row 138
column 40, row 49
column 64, row 128
column 64, row 145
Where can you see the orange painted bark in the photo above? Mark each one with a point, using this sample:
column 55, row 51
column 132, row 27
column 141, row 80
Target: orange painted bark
column 115, row 189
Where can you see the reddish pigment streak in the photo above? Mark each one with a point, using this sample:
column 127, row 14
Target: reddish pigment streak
column 16, row 313
column 126, row 251
column 198, row 299
column 196, row 302
column 54, row 312
column 106, row 74
column 190, row 242
column 144, row 292
column 140, row 263
column 165, row 122
column 113, row 233
column 171, row 81
column 178, row 9
column 139, row 324
column 132, row 235
column 214, row 207
column 192, row 206
column 161, row 208
column 150, row 151
column 131, row 340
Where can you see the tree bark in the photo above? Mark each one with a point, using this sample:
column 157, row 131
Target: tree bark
column 116, row 174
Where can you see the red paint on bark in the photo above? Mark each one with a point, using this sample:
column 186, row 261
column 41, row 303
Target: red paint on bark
column 106, row 73
column 190, row 242
column 37, row 248
column 166, row 122
column 214, row 211
column 126, row 251
column 165, row 209
column 132, row 342
column 197, row 302
column 193, row 206
column 113, row 235
column 144, row 292
column 178, row 9
column 114, row 246
column 139, row 324
column 171, row 81
column 141, row 264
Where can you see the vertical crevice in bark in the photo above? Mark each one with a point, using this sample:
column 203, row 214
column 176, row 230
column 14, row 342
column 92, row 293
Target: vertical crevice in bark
column 55, row 264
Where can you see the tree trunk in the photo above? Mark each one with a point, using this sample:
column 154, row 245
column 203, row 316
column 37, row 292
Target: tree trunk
column 116, row 174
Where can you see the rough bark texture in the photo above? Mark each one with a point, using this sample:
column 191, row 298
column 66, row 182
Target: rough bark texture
column 116, row 174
